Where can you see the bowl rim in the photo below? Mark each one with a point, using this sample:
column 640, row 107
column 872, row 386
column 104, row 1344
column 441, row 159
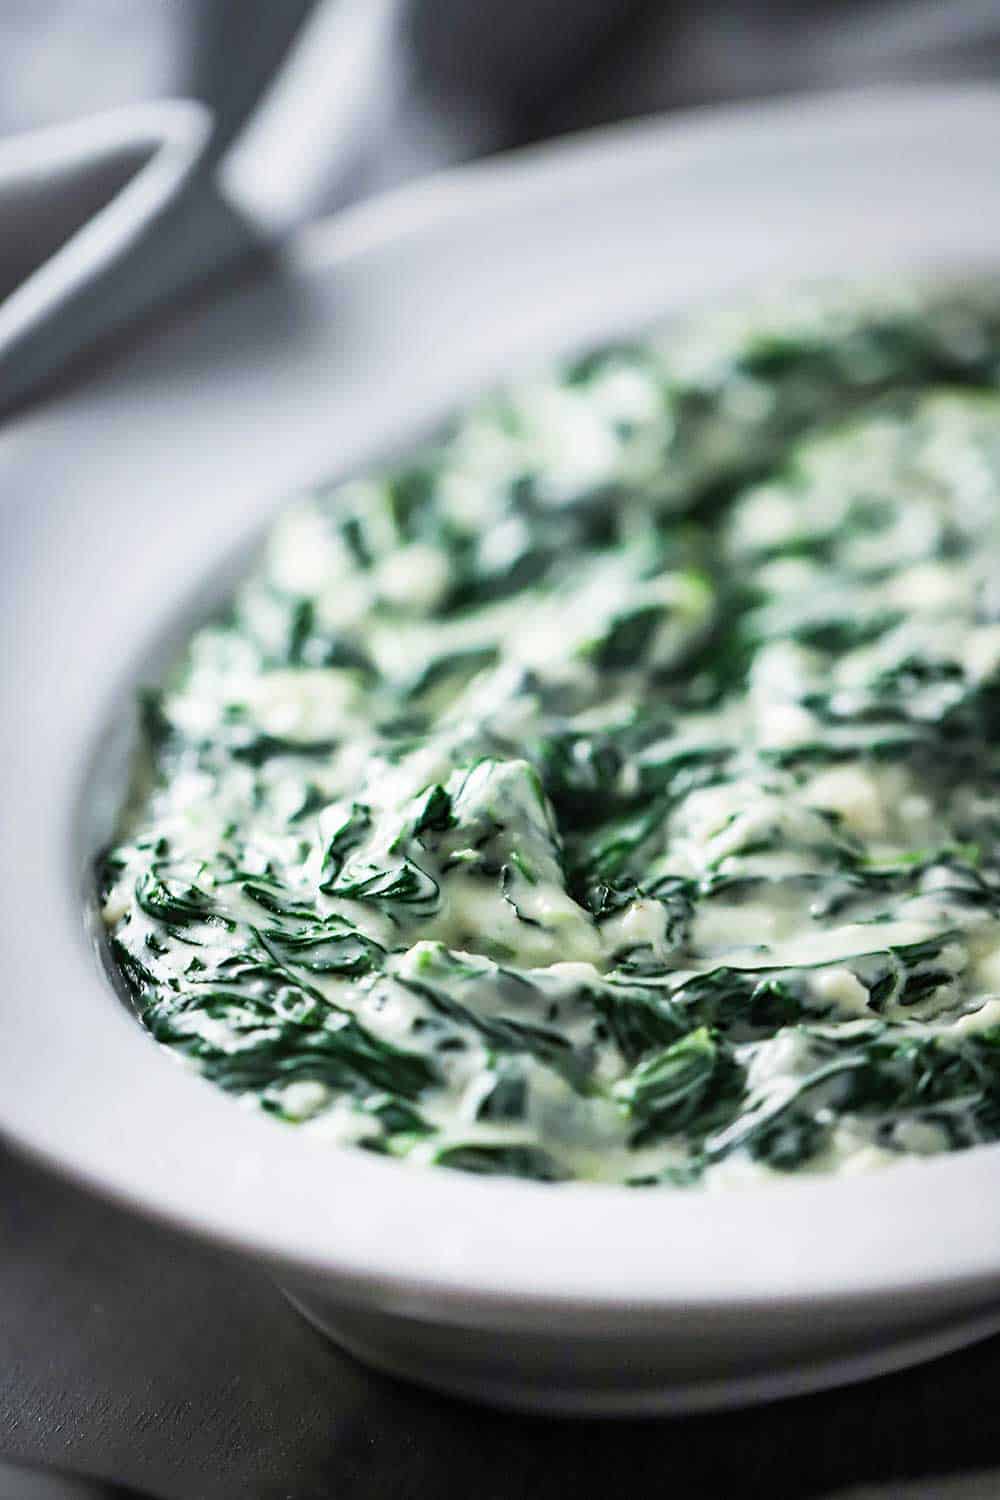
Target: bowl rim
column 378, row 1228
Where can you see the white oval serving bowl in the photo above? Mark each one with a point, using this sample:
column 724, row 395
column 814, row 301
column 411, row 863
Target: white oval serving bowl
column 123, row 498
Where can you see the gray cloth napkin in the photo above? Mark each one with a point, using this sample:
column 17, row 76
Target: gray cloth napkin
column 982, row 1486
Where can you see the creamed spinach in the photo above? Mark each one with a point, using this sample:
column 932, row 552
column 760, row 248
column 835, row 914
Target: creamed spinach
column 611, row 791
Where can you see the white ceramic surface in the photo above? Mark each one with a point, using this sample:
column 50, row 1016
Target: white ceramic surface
column 78, row 204
column 119, row 505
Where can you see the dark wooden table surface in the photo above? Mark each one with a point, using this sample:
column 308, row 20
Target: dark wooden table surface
column 129, row 1352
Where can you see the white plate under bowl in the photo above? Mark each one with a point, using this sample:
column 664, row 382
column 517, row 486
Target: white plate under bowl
column 120, row 501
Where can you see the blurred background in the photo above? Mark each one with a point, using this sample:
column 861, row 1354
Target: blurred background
column 447, row 80
column 319, row 103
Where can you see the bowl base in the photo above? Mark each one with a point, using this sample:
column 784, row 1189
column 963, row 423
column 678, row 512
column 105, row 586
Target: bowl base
column 619, row 1382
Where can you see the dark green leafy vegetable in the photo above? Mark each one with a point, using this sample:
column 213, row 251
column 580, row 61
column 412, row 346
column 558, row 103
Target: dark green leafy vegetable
column 694, row 1084
column 612, row 788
